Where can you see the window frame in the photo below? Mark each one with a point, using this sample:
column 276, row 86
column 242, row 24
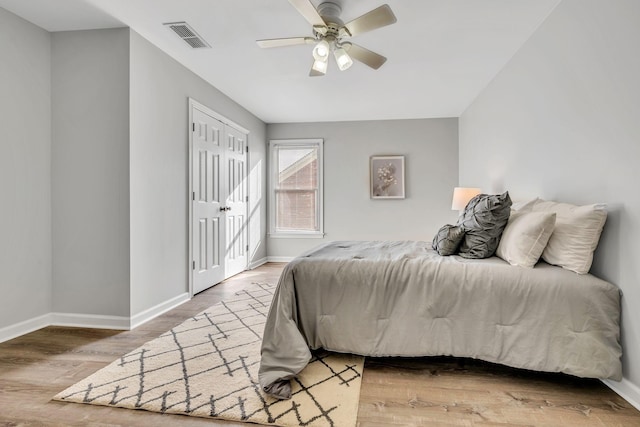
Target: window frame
column 315, row 143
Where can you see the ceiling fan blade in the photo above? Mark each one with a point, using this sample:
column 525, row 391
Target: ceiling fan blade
column 365, row 56
column 291, row 41
column 306, row 9
column 377, row 18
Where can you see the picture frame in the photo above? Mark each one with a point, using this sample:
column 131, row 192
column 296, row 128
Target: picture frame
column 387, row 177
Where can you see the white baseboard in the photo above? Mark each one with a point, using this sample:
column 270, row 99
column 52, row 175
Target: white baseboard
column 256, row 264
column 280, row 259
column 627, row 390
column 153, row 312
column 13, row 331
column 96, row 321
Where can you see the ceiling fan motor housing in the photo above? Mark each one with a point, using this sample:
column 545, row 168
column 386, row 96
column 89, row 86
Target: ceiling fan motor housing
column 330, row 12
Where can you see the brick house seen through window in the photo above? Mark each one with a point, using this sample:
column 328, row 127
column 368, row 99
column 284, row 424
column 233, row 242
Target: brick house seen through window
column 297, row 189
column 296, row 194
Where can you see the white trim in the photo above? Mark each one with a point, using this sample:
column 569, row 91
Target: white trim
column 153, row 312
column 22, row 328
column 626, row 389
column 296, row 235
column 272, row 178
column 280, row 259
column 258, row 263
column 192, row 104
column 96, row 321
column 215, row 115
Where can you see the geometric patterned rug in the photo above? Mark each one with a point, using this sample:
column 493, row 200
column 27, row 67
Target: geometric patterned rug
column 208, row 367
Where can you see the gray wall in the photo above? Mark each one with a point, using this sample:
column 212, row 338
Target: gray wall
column 431, row 162
column 160, row 88
column 90, row 171
column 94, row 172
column 561, row 121
column 25, row 170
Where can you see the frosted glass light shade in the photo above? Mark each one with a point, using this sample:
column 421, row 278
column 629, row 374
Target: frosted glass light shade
column 343, row 59
column 321, row 50
column 320, row 65
column 461, row 196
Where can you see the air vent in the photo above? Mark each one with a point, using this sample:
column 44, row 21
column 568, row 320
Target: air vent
column 188, row 34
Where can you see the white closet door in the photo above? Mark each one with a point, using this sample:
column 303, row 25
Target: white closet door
column 219, row 201
column 208, row 222
column 236, row 202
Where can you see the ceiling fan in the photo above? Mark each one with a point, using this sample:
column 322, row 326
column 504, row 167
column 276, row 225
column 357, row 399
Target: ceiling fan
column 329, row 34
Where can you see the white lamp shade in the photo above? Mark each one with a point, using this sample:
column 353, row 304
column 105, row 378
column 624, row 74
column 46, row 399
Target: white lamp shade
column 461, row 196
column 321, row 51
column 320, row 65
column 343, row 59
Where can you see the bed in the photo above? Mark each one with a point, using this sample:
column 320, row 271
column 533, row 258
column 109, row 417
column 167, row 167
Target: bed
column 403, row 299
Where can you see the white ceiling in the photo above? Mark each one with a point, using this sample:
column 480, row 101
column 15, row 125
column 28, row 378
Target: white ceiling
column 441, row 53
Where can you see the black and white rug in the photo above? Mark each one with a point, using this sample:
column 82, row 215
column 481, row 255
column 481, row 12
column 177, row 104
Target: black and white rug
column 208, row 367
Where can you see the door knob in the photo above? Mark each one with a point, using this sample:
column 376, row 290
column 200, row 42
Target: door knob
column 225, row 208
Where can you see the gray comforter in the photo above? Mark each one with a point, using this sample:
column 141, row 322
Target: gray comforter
column 403, row 299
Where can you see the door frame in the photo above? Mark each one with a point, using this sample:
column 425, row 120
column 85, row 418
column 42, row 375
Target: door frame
column 191, row 105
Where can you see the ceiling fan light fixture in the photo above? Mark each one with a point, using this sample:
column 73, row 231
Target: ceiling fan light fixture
column 329, row 31
column 320, row 65
column 321, row 51
column 343, row 59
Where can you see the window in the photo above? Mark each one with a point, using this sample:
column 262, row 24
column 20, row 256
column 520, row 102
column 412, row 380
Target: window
column 295, row 188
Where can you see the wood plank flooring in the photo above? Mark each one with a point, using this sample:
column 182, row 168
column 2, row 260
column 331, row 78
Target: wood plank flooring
column 440, row 391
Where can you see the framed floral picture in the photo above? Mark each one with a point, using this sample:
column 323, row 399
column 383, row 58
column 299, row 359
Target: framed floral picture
column 387, row 177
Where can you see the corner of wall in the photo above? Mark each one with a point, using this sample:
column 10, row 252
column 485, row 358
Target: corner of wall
column 627, row 390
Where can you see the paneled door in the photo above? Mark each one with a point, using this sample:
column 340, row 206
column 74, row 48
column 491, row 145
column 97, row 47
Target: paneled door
column 219, row 200
column 207, row 199
column 236, row 202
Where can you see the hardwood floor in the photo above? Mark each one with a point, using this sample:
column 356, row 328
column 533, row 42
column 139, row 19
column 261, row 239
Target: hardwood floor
column 395, row 392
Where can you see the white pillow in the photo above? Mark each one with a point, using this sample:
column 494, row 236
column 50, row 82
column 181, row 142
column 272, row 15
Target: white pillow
column 524, row 205
column 525, row 237
column 575, row 236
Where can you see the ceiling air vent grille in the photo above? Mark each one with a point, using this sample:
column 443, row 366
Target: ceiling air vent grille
column 188, row 34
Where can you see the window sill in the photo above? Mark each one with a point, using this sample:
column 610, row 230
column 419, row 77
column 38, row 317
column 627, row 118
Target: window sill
column 318, row 235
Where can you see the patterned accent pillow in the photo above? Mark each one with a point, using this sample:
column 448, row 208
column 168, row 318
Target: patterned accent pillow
column 483, row 221
column 447, row 240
